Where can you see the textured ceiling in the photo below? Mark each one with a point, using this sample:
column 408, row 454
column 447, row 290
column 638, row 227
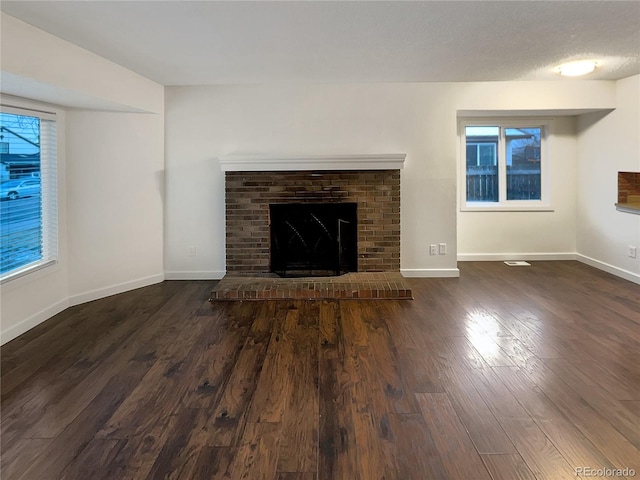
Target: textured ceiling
column 206, row 42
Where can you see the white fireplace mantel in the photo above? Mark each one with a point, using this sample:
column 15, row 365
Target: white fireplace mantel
column 265, row 163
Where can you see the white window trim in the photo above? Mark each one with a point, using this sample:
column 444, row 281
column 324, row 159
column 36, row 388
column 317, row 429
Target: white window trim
column 51, row 240
column 542, row 205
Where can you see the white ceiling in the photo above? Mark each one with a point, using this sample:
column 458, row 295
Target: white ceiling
column 238, row 42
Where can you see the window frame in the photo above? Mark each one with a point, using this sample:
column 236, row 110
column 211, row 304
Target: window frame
column 478, row 156
column 504, row 205
column 49, row 172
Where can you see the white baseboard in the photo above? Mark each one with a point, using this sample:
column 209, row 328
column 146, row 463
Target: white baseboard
column 430, row 272
column 197, row 275
column 47, row 313
column 500, row 257
column 618, row 272
column 34, row 320
column 115, row 289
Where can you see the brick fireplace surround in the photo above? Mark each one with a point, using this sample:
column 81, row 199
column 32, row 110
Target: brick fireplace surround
column 248, row 195
column 373, row 184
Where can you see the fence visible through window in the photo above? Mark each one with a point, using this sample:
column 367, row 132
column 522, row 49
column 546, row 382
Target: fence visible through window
column 503, row 154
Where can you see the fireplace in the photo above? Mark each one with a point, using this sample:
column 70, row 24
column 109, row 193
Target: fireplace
column 313, row 239
column 250, row 194
column 351, row 203
column 334, row 218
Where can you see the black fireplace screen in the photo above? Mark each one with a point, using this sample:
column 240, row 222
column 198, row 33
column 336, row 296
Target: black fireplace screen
column 313, row 239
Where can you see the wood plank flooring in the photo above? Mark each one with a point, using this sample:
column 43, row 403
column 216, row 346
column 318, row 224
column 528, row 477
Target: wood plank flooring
column 505, row 373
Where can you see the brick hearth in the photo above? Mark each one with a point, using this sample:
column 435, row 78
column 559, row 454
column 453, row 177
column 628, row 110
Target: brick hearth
column 383, row 285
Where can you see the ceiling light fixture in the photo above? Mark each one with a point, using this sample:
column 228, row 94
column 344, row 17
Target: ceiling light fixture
column 577, row 68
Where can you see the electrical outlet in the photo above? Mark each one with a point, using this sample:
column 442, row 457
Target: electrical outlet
column 442, row 249
column 633, row 251
column 191, row 251
column 433, row 249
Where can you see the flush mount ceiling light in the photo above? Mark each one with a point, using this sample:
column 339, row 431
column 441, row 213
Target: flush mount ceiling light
column 577, row 68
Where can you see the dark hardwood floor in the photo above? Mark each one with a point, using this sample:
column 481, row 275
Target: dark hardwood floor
column 505, row 373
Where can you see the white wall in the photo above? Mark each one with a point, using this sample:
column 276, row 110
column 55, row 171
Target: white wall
column 110, row 175
column 115, row 207
column 608, row 144
column 43, row 67
column 417, row 119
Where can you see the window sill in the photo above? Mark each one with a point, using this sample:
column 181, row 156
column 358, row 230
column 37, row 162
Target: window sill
column 507, row 208
column 30, row 273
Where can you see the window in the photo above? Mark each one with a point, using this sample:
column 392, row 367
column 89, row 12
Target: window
column 28, row 193
column 503, row 165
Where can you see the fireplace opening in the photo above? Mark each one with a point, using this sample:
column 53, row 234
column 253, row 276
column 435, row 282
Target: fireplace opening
column 313, row 239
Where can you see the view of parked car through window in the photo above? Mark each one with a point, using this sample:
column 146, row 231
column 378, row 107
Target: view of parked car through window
column 14, row 189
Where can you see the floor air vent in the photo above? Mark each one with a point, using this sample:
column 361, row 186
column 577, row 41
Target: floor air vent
column 514, row 263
